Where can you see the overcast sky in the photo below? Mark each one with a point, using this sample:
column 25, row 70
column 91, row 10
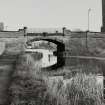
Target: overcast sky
column 72, row 14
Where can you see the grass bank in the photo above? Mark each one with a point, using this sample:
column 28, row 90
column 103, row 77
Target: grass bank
column 31, row 86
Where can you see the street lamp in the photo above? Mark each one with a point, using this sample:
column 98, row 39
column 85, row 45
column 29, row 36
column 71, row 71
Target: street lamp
column 89, row 10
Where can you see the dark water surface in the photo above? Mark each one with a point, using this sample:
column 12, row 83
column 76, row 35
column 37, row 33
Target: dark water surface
column 86, row 65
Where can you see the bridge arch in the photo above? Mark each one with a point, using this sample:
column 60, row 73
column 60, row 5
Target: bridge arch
column 59, row 43
column 58, row 53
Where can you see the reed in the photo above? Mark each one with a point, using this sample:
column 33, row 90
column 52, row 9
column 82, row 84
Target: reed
column 31, row 86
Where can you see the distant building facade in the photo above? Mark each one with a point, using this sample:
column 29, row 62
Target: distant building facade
column 103, row 16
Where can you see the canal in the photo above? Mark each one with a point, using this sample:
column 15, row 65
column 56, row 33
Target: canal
column 51, row 56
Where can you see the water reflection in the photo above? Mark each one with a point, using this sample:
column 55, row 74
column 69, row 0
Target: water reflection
column 48, row 58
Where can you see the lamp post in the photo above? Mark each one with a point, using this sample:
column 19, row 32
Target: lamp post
column 89, row 10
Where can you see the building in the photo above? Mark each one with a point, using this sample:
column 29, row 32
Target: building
column 103, row 16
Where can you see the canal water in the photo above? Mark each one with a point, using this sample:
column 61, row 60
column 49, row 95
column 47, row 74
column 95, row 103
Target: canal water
column 48, row 58
column 75, row 65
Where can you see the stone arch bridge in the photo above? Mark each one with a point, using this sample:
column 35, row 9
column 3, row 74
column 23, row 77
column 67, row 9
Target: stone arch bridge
column 57, row 40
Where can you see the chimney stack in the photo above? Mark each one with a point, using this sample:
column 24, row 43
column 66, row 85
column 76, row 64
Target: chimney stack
column 103, row 16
